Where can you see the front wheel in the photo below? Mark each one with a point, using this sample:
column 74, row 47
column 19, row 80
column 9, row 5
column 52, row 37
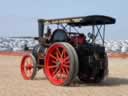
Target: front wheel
column 28, row 67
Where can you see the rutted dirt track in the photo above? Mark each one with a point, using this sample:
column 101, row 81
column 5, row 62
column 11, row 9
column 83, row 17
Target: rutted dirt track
column 12, row 84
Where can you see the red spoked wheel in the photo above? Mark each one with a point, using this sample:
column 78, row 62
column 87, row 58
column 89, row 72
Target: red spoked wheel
column 60, row 64
column 28, row 67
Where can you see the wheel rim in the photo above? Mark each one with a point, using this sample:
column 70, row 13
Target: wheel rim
column 76, row 62
column 57, row 64
column 27, row 67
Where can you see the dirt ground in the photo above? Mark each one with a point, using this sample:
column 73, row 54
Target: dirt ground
column 12, row 83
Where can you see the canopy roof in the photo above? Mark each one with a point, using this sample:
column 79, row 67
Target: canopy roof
column 81, row 21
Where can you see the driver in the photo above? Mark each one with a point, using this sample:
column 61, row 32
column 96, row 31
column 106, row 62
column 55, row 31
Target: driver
column 46, row 40
column 81, row 39
column 48, row 35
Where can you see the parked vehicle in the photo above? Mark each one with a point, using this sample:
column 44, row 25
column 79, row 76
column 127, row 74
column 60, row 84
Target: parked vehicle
column 66, row 50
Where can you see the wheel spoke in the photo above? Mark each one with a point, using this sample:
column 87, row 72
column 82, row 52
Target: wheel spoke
column 63, row 71
column 63, row 53
column 57, row 55
column 25, row 69
column 25, row 65
column 29, row 72
column 66, row 66
column 56, row 70
column 66, row 70
column 53, row 61
column 58, row 52
column 66, row 59
column 64, row 74
column 27, row 62
column 51, row 55
column 66, row 63
column 52, row 66
column 30, row 61
column 56, row 74
column 32, row 70
column 60, row 74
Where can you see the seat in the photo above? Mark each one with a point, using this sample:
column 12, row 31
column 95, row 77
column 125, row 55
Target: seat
column 59, row 35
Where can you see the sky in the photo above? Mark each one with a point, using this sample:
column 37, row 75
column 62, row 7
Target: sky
column 19, row 17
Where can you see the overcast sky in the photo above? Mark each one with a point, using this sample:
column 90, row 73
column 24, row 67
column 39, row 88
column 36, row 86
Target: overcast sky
column 19, row 17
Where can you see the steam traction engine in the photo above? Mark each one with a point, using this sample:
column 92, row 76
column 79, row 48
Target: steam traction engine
column 65, row 51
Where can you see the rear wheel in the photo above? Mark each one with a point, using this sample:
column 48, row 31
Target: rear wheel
column 101, row 72
column 60, row 64
column 28, row 67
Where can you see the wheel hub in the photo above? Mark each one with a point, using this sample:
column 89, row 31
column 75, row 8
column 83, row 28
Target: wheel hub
column 58, row 63
column 29, row 67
